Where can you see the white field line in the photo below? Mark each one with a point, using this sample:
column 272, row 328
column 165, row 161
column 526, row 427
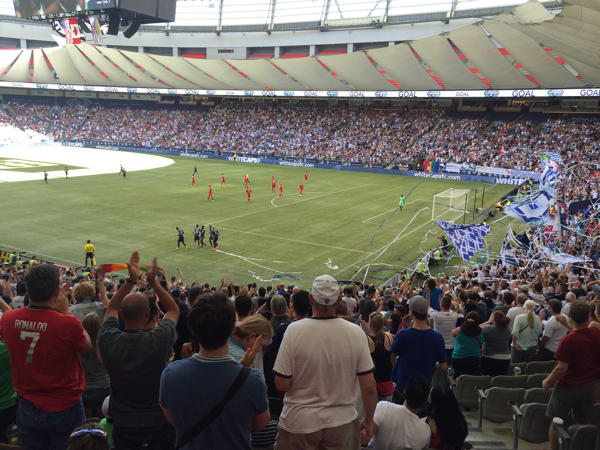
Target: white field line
column 258, row 211
column 398, row 237
column 389, row 210
column 386, row 246
column 299, row 241
column 250, row 260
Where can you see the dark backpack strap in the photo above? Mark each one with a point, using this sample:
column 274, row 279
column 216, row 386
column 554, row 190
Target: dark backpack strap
column 216, row 411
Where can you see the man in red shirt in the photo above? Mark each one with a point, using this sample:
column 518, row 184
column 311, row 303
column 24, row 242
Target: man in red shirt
column 280, row 190
column 44, row 341
column 249, row 193
column 210, row 193
column 578, row 368
column 305, row 175
column 222, row 179
column 301, row 187
column 273, row 184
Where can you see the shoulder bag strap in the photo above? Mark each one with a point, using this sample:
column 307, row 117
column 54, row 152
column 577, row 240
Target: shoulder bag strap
column 216, row 411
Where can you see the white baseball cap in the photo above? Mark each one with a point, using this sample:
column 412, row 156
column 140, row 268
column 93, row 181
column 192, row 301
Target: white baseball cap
column 325, row 290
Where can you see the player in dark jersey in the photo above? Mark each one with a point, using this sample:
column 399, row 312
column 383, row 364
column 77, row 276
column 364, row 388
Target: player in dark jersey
column 197, row 235
column 195, row 170
column 215, row 239
column 210, row 236
column 202, row 234
column 45, row 177
column 66, row 173
column 180, row 237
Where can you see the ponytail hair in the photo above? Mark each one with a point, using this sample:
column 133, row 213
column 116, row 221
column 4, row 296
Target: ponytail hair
column 530, row 308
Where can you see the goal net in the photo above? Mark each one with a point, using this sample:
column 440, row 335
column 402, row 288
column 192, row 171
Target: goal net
column 450, row 204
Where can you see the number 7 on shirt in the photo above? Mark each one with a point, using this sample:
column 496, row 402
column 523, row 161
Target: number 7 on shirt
column 35, row 337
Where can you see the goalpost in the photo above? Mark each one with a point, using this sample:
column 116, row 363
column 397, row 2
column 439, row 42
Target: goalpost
column 450, row 204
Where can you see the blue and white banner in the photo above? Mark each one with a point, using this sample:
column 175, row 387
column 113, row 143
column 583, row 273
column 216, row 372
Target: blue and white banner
column 535, row 209
column 553, row 156
column 550, row 174
column 467, row 239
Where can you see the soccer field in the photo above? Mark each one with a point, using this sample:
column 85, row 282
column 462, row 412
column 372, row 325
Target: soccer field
column 346, row 222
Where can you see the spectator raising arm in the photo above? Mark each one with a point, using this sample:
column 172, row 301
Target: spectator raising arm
column 126, row 288
column 164, row 298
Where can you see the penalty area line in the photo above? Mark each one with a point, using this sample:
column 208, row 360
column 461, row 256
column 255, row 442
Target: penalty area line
column 299, row 241
column 385, row 212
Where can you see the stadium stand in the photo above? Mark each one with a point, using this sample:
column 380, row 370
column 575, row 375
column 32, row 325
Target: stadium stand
column 147, row 359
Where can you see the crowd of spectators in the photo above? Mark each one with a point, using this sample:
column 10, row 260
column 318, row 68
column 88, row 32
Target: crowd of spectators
column 361, row 135
column 160, row 360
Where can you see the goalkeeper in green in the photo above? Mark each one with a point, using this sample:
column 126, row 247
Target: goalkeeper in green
column 401, row 202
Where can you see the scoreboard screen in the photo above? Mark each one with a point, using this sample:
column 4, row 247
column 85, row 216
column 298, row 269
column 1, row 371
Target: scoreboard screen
column 43, row 8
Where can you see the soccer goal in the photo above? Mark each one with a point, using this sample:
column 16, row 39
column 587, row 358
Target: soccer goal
column 450, row 204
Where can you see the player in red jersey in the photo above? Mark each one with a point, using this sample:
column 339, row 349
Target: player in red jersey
column 246, row 180
column 210, row 193
column 273, row 184
column 44, row 341
column 249, row 193
column 193, row 180
column 281, row 190
column 301, row 187
column 305, row 175
column 223, row 179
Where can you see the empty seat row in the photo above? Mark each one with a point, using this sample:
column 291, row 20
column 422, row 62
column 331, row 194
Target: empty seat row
column 466, row 386
column 533, row 367
column 531, row 424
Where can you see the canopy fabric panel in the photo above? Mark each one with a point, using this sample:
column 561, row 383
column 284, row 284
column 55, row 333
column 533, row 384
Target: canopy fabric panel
column 442, row 59
column 527, row 48
column 311, row 74
column 357, row 70
column 222, row 71
column 484, row 55
column 402, row 65
column 268, row 75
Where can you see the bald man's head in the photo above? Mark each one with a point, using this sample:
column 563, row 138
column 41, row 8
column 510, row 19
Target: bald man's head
column 135, row 307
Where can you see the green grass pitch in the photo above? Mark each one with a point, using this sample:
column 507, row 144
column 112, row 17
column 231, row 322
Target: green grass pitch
column 344, row 222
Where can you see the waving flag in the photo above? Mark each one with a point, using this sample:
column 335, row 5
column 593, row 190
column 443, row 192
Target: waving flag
column 116, row 267
column 552, row 156
column 467, row 239
column 507, row 255
column 550, row 174
column 535, row 209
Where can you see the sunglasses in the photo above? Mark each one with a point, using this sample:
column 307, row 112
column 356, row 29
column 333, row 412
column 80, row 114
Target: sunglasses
column 93, row 431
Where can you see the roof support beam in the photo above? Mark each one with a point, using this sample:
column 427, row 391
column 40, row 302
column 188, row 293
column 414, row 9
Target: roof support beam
column 452, row 9
column 220, row 18
column 271, row 16
column 387, row 11
column 325, row 13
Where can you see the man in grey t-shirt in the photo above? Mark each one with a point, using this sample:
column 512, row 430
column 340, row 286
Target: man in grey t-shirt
column 135, row 359
column 444, row 322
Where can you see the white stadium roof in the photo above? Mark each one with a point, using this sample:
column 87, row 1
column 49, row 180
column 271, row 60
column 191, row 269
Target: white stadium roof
column 253, row 12
column 526, row 48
